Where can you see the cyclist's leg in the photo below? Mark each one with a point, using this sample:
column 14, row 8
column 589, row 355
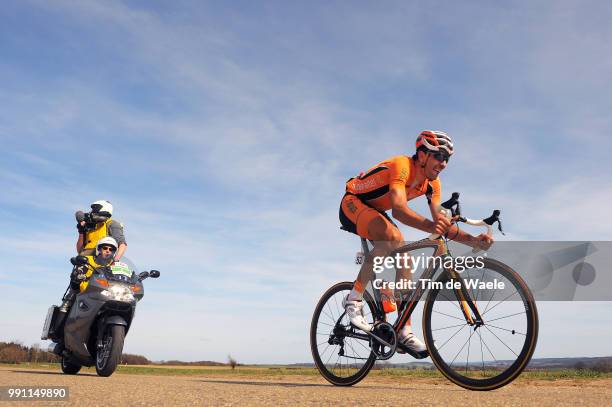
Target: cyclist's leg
column 368, row 223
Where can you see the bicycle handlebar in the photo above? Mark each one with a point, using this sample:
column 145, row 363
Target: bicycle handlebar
column 452, row 208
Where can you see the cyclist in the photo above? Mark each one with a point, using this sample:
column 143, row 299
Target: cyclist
column 389, row 185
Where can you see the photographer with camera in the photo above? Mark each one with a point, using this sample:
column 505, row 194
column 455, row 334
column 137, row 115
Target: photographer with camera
column 95, row 225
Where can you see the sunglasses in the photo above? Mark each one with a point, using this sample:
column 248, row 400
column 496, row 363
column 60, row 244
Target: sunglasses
column 440, row 156
column 110, row 248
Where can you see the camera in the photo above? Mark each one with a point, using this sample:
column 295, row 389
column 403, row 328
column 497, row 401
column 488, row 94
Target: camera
column 90, row 219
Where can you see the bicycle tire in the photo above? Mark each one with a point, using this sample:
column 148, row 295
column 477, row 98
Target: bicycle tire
column 327, row 373
column 514, row 370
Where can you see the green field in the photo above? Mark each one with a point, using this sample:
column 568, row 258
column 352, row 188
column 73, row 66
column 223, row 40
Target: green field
column 163, row 370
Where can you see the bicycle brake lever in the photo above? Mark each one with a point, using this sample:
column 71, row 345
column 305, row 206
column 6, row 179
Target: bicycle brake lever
column 495, row 218
column 453, row 204
column 499, row 227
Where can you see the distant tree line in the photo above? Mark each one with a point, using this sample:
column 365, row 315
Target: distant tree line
column 15, row 352
column 198, row 363
column 600, row 365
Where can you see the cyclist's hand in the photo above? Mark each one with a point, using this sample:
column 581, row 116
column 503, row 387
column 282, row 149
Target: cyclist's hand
column 483, row 241
column 441, row 225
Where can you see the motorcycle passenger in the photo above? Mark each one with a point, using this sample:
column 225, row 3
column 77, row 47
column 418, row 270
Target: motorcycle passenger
column 98, row 225
column 103, row 256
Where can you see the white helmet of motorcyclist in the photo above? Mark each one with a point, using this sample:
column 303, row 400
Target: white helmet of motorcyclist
column 102, row 207
column 106, row 241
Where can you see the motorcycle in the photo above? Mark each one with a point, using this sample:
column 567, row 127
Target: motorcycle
column 99, row 318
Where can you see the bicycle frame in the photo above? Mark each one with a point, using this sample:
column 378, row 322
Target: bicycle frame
column 467, row 305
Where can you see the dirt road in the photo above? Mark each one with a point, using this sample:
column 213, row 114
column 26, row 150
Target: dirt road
column 125, row 389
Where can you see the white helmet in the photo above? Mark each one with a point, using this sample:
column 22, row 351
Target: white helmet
column 108, row 241
column 102, row 208
column 432, row 140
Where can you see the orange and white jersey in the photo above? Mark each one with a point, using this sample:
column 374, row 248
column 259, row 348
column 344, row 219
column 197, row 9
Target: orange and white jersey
column 373, row 186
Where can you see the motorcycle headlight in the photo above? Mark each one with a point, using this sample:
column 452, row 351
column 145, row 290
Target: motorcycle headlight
column 118, row 293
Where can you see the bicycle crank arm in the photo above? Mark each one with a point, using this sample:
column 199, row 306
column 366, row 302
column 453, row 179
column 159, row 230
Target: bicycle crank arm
column 380, row 340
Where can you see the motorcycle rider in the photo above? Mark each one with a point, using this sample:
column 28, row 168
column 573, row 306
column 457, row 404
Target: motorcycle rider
column 104, row 255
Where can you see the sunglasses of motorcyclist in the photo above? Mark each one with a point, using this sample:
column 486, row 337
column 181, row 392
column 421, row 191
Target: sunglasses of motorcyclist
column 107, row 248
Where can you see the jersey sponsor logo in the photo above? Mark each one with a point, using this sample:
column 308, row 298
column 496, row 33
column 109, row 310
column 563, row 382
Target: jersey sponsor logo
column 367, row 184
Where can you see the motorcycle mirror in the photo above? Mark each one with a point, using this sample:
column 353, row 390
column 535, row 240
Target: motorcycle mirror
column 154, row 274
column 80, row 261
column 143, row 275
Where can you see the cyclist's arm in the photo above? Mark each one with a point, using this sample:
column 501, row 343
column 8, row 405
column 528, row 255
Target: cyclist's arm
column 434, row 202
column 481, row 241
column 401, row 211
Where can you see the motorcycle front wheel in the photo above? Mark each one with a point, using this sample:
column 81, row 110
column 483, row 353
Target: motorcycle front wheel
column 109, row 355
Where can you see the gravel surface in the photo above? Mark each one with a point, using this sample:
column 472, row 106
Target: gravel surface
column 133, row 390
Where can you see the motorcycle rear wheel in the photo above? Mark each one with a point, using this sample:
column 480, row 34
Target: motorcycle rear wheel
column 69, row 367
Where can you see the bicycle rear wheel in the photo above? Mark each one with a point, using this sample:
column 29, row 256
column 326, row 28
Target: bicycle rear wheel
column 489, row 356
column 341, row 353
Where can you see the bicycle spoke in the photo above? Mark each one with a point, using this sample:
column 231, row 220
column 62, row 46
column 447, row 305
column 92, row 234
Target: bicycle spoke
column 481, row 279
column 448, row 327
column 468, row 351
column 363, row 346
column 472, row 289
column 481, row 353
column 487, row 310
column 356, row 354
column 485, row 344
column 454, row 302
column 450, row 316
column 327, row 315
column 503, row 343
column 324, row 351
column 513, row 331
column 507, row 316
column 453, row 361
column 337, row 306
column 460, row 329
column 333, row 317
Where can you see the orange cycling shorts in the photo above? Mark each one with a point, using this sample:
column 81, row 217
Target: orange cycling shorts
column 355, row 216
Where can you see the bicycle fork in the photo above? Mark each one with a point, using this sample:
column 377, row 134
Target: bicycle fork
column 468, row 306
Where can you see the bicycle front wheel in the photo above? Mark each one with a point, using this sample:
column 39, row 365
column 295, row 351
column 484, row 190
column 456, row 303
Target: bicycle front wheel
column 487, row 356
column 341, row 352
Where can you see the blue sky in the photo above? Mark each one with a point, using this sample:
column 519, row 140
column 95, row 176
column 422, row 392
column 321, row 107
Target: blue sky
column 223, row 133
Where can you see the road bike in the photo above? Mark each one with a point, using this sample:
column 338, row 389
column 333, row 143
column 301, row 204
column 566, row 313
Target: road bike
column 480, row 334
